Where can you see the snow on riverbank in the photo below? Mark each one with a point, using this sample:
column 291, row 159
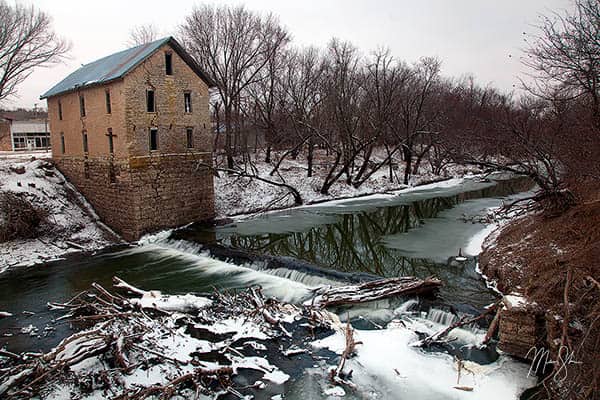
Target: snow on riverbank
column 486, row 239
column 70, row 228
column 235, row 195
column 411, row 373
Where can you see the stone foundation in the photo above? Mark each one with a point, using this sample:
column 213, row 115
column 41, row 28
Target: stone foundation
column 521, row 329
column 146, row 193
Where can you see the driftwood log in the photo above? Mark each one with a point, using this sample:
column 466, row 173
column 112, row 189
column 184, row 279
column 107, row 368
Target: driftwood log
column 337, row 375
column 374, row 290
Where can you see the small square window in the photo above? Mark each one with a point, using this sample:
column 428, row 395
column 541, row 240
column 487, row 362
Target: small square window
column 190, row 138
column 153, row 139
column 150, row 106
column 187, row 102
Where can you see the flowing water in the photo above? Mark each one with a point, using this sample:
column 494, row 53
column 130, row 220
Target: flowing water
column 416, row 232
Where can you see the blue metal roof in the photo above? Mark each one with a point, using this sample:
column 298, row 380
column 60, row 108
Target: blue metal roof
column 106, row 69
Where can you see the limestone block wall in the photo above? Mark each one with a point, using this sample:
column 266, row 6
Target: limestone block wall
column 96, row 122
column 170, row 117
column 144, row 194
column 114, row 202
column 521, row 330
column 171, row 190
column 136, row 190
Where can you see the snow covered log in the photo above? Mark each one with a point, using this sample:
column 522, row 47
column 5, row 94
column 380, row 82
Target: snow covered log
column 374, row 290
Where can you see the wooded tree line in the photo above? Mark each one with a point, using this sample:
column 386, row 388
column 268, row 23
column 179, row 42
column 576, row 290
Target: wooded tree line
column 276, row 96
column 272, row 95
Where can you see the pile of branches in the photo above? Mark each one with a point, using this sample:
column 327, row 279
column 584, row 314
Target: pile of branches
column 122, row 339
column 550, row 203
column 185, row 345
column 19, row 218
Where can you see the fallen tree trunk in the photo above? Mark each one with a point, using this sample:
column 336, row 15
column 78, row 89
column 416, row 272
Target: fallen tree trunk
column 493, row 327
column 374, row 290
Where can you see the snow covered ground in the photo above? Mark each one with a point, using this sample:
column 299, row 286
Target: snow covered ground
column 409, row 372
column 235, row 195
column 76, row 229
column 70, row 228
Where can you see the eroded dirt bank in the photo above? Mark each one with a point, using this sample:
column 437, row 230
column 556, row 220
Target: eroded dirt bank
column 554, row 264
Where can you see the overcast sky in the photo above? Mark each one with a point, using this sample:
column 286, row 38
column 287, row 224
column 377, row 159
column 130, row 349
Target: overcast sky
column 481, row 37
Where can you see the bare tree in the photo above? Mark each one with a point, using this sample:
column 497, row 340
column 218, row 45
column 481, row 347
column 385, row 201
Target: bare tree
column 552, row 134
column 564, row 59
column 417, row 113
column 384, row 81
column 142, row 34
column 27, row 41
column 302, row 95
column 344, row 96
column 233, row 45
column 565, row 55
column 264, row 95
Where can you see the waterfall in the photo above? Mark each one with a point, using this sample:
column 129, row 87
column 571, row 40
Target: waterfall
column 441, row 317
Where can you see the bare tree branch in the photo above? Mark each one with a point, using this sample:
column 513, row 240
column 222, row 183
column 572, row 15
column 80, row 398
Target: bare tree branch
column 27, row 41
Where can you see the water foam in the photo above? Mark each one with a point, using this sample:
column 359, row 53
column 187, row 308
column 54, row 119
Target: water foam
column 244, row 275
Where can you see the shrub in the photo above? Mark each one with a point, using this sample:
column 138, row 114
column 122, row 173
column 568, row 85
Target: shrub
column 19, row 218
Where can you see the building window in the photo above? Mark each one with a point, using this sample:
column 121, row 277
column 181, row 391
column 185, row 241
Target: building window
column 190, row 138
column 150, row 101
column 168, row 64
column 85, row 141
column 187, row 102
column 108, row 108
column 59, row 110
column 153, row 139
column 30, row 140
column 62, row 143
column 111, row 147
column 81, row 105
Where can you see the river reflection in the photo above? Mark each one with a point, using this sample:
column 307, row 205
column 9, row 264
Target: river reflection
column 415, row 233
column 387, row 236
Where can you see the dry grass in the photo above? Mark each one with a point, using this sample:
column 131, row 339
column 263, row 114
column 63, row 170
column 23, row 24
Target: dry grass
column 551, row 261
column 19, row 218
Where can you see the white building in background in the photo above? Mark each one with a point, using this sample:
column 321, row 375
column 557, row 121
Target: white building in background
column 30, row 135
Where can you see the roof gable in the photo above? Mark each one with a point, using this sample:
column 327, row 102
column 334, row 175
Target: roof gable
column 118, row 65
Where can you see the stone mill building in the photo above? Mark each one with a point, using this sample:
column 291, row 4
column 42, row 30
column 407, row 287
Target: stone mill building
column 132, row 132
